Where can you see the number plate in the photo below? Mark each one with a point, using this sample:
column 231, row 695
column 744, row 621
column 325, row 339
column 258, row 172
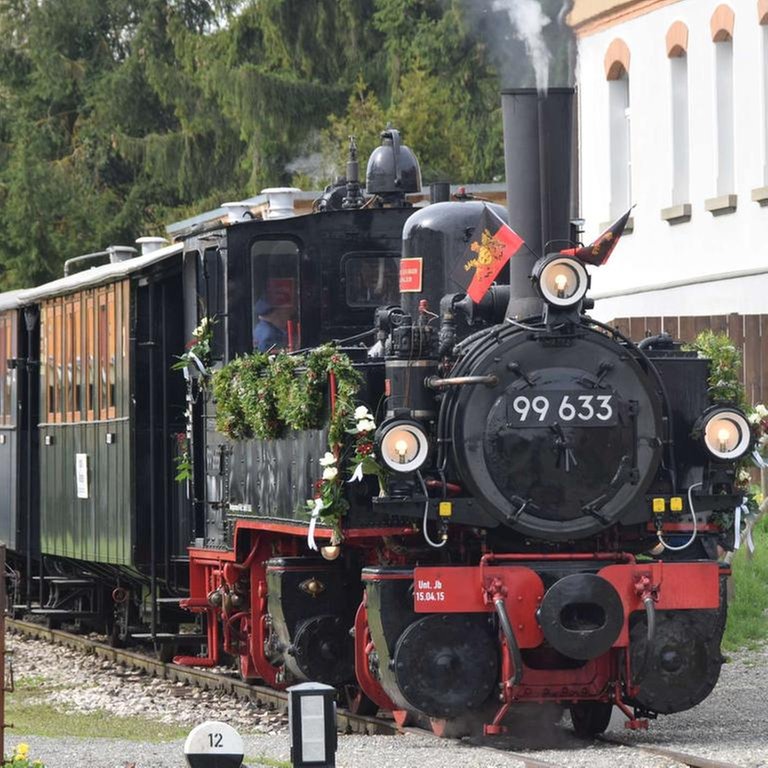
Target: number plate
column 545, row 407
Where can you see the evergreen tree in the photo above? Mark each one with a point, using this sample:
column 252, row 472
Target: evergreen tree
column 119, row 116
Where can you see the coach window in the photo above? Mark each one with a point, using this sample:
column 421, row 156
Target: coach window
column 3, row 371
column 721, row 26
column 112, row 351
column 68, row 360
column 58, row 357
column 106, row 352
column 49, row 369
column 275, row 295
column 370, row 279
column 7, row 373
column 89, row 374
column 617, row 74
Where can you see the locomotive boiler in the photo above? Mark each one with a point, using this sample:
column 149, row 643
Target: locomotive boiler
column 553, row 495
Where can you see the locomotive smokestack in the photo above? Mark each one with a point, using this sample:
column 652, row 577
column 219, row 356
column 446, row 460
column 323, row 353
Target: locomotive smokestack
column 537, row 149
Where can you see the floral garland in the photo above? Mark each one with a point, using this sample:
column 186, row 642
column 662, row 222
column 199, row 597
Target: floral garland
column 182, row 460
column 329, row 502
column 198, row 354
column 264, row 396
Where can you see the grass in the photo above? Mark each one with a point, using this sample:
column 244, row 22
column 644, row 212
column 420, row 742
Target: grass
column 31, row 716
column 255, row 762
column 748, row 611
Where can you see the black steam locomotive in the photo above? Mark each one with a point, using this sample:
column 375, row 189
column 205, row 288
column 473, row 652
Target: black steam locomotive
column 552, row 495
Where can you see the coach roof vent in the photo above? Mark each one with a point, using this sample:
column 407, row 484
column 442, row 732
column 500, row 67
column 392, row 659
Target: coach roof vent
column 120, row 253
column 237, row 211
column 150, row 244
column 280, row 202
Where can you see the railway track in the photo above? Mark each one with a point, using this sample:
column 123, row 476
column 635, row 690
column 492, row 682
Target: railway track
column 348, row 721
column 683, row 758
column 204, row 679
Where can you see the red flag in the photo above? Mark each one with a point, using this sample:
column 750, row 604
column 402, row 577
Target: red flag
column 598, row 251
column 493, row 244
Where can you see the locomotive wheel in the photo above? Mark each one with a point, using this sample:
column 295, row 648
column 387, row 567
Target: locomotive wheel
column 446, row 664
column 590, row 718
column 358, row 703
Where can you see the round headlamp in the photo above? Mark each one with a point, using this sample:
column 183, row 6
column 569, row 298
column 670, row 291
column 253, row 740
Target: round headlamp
column 403, row 445
column 562, row 281
column 726, row 433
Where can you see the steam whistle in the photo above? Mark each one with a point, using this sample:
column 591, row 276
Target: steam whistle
column 354, row 197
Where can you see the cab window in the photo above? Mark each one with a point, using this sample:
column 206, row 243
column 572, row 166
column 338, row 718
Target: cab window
column 275, row 295
column 371, row 279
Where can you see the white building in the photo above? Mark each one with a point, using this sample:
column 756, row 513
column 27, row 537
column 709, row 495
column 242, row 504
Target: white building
column 673, row 112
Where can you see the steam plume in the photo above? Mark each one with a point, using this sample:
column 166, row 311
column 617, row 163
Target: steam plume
column 529, row 21
column 529, row 40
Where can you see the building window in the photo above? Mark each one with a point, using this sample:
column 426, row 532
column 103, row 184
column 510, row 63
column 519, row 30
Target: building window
column 617, row 74
column 677, row 46
column 763, row 18
column 721, row 25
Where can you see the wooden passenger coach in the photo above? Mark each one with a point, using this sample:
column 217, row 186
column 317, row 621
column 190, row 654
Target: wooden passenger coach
column 89, row 397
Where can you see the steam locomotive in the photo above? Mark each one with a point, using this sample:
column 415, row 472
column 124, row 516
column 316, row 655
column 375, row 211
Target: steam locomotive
column 553, row 495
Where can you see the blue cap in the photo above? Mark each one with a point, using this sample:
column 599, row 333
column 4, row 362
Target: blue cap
column 262, row 307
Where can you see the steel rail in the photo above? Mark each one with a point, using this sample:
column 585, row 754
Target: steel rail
column 684, row 758
column 205, row 679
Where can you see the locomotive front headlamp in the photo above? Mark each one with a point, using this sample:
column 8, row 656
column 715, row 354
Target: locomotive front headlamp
column 561, row 280
column 726, row 433
column 403, row 445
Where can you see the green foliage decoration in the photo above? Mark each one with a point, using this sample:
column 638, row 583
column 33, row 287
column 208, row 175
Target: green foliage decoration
column 262, row 396
column 724, row 381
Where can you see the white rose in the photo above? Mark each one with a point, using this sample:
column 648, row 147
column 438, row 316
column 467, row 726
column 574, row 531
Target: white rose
column 329, row 473
column 366, row 425
column 361, row 412
column 327, row 460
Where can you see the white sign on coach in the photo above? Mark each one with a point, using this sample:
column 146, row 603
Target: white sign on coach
column 81, row 475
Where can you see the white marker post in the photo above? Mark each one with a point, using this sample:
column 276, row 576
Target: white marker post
column 312, row 723
column 214, row 745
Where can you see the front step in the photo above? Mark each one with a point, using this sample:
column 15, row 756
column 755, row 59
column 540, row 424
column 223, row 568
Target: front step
column 64, row 612
column 168, row 636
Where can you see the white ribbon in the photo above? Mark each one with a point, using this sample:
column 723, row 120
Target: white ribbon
column 319, row 506
column 198, row 362
column 759, row 460
column 357, row 475
column 737, row 525
column 750, row 542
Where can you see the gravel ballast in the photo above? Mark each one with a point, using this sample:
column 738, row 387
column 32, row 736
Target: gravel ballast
column 729, row 725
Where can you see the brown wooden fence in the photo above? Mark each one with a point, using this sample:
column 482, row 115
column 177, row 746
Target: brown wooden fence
column 748, row 332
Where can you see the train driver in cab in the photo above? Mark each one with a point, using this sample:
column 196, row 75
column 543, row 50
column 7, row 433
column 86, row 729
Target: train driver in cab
column 270, row 332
